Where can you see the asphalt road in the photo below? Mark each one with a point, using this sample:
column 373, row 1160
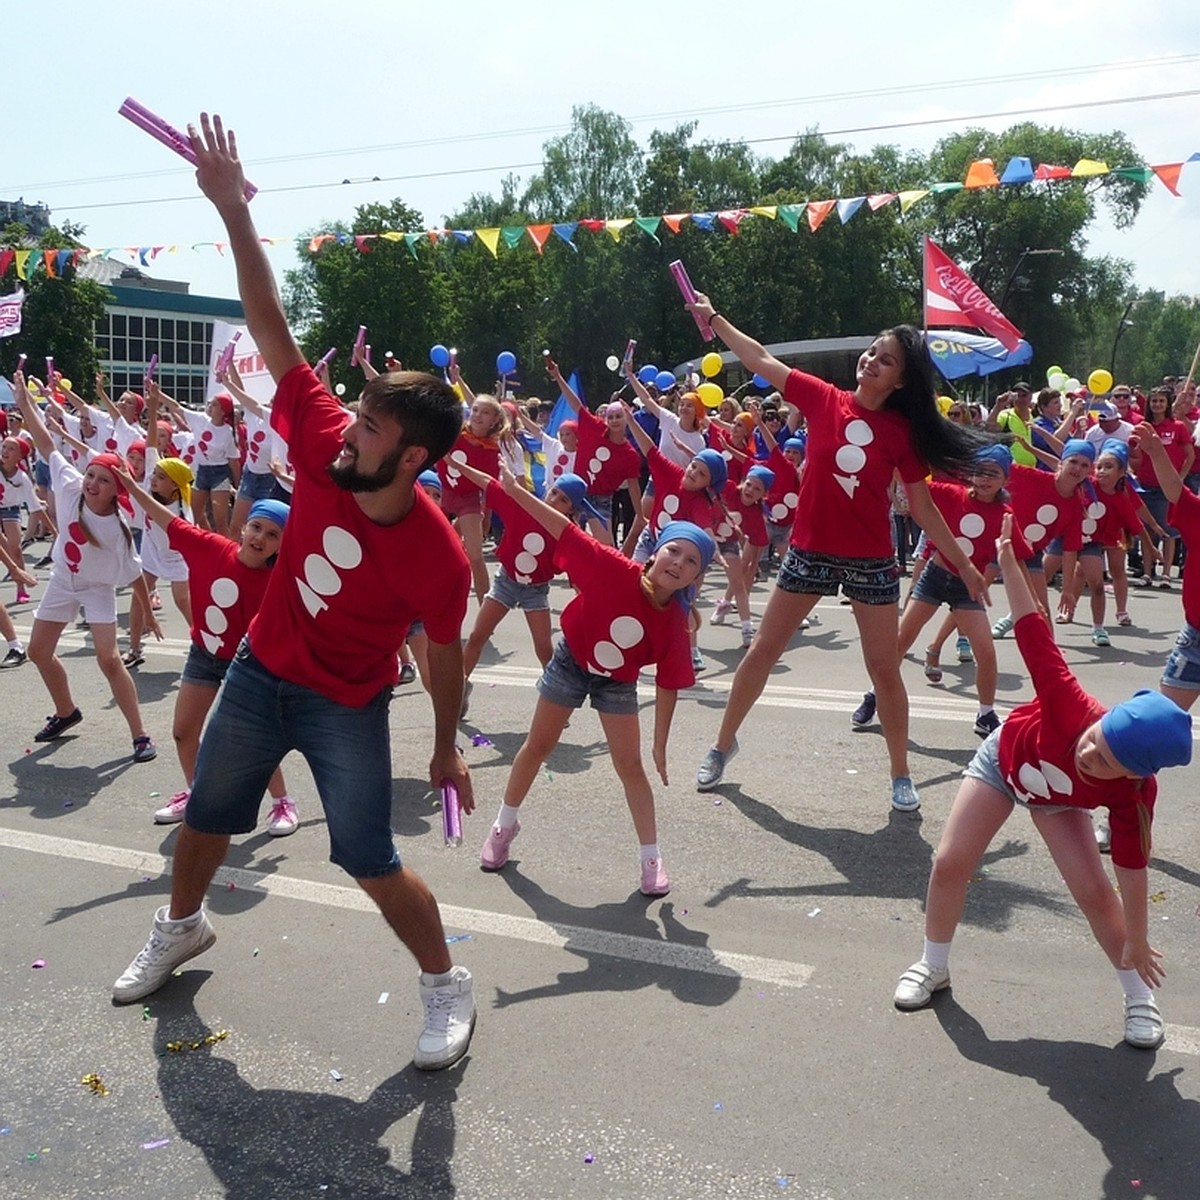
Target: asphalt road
column 736, row 1038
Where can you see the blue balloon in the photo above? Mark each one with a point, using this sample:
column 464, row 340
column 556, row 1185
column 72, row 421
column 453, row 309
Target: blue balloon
column 648, row 373
column 762, row 384
column 506, row 362
column 664, row 380
column 439, row 356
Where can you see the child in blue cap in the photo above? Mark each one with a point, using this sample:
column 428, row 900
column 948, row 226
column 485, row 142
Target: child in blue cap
column 1061, row 755
column 622, row 618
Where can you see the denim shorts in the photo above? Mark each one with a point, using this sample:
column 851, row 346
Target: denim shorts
column 937, row 586
column 256, row 485
column 565, row 683
column 1089, row 550
column 10, row 512
column 779, row 533
column 528, row 597
column 1156, row 501
column 41, row 473
column 258, row 718
column 204, row 669
column 985, row 766
column 867, row 580
column 214, row 478
column 1183, row 663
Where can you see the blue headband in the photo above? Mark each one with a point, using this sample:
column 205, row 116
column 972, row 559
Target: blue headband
column 575, row 490
column 717, row 469
column 685, row 531
column 797, row 442
column 998, row 454
column 1117, row 448
column 1147, row 733
column 430, row 479
column 1079, row 446
column 274, row 511
column 764, row 474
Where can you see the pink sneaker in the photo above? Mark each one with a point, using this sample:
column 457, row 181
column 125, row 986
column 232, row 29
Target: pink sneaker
column 284, row 818
column 655, row 881
column 171, row 813
column 495, row 850
column 22, row 596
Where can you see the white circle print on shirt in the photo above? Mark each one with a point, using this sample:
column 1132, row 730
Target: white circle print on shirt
column 342, row 552
column 851, row 457
column 223, row 594
column 624, row 633
column 525, row 563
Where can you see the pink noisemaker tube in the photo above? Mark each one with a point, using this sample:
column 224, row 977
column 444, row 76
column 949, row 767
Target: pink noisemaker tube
column 451, row 815
column 225, row 358
column 326, row 359
column 152, row 366
column 684, row 284
column 170, row 137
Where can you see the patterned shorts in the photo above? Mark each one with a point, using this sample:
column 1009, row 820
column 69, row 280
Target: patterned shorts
column 866, row 580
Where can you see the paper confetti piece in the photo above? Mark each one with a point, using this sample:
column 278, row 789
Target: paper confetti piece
column 851, row 771
column 94, row 1082
column 156, row 1145
column 211, row 1040
column 145, row 1014
column 459, row 937
column 255, row 954
column 589, row 1158
column 336, row 1074
column 155, row 795
column 1158, row 897
column 480, row 739
column 383, row 997
column 38, row 963
column 814, row 912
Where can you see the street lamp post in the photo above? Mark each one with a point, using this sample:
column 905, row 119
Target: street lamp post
column 1122, row 325
column 1028, row 252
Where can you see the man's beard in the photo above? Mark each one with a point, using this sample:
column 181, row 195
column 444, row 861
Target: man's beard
column 350, row 479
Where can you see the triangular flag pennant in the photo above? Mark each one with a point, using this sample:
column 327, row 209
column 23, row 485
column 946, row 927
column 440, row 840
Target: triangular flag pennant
column 539, row 234
column 392, row 236
column 1019, row 170
column 220, row 248
column 512, row 234
column 566, row 231
column 818, row 210
column 6, row 257
column 764, row 210
column 1138, row 174
column 342, row 239
column 48, row 257
column 789, row 214
column 649, row 226
column 1169, row 174
column 731, row 218
column 155, row 251
column 617, row 227
column 673, row 220
column 847, row 208
column 592, row 224
column 952, row 297
column 982, row 173
column 1194, row 157
column 361, row 240
column 875, row 203
column 317, row 242
column 1085, row 168
column 704, row 220
column 938, row 188
column 490, row 238
column 22, row 257
column 462, row 236
column 61, row 259
column 1047, row 171
column 411, row 240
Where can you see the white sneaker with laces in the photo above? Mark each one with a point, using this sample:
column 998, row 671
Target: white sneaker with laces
column 171, row 943
column 284, row 818
column 172, row 812
column 449, row 1020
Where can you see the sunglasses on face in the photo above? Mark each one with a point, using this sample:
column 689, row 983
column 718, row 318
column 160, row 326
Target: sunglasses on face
column 772, row 417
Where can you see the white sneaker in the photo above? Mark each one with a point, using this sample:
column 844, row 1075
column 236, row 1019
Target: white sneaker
column 917, row 985
column 449, row 1021
column 284, row 818
column 171, row 943
column 720, row 612
column 172, row 812
column 1143, row 1023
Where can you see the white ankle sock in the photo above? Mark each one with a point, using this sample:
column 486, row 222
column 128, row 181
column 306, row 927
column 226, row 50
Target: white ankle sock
column 650, row 851
column 937, row 955
column 1133, row 985
column 984, row 709
column 507, row 817
column 16, row 645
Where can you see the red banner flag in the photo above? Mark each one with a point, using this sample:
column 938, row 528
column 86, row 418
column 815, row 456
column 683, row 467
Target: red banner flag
column 952, row 297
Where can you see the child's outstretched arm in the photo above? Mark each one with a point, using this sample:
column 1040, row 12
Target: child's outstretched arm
column 233, row 381
column 564, row 388
column 1043, row 456
column 549, row 518
column 1137, row 954
column 1021, row 600
column 43, row 443
column 643, row 439
column 479, row 478
column 456, row 377
column 158, row 513
column 664, row 710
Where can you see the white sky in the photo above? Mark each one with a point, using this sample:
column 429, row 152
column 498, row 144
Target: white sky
column 445, row 87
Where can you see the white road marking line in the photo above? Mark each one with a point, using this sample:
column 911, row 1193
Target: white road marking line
column 1183, row 1039
column 676, row 955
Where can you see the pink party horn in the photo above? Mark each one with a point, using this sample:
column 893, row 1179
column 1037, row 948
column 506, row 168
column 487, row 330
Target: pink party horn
column 225, row 358
column 152, row 367
column 684, row 284
column 630, row 347
column 50, row 369
column 170, row 137
column 326, row 359
column 21, row 363
column 451, row 815
column 360, row 340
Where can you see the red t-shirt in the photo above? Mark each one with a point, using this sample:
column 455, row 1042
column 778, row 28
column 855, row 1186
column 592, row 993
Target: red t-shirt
column 345, row 590
column 749, row 518
column 784, row 495
column 1176, row 438
column 1111, row 519
column 603, row 463
column 526, row 551
column 225, row 593
column 975, row 526
column 1184, row 514
column 1037, row 749
column 672, row 501
column 611, row 626
column 844, row 504
column 1041, row 513
column 481, row 453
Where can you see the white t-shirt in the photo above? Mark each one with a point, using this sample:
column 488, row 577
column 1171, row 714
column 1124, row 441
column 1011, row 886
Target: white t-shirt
column 668, row 423
column 112, row 561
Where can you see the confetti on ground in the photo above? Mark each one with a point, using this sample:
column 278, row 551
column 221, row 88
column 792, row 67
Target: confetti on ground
column 211, row 1040
column 156, row 1145
column 38, row 963
column 718, row 1107
column 94, row 1082
column 683, row 913
column 6, row 1129
column 716, row 802
column 255, row 954
column 851, row 771
column 782, row 1181
column 589, row 1158
column 383, row 997
column 68, row 804
column 336, row 1074
column 1158, row 897
column 459, row 937
column 145, row 1014
column 229, row 887
column 814, row 912
column 480, row 739
column 155, row 795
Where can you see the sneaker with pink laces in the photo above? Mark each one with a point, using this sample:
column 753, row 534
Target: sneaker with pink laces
column 655, row 881
column 171, row 813
column 495, row 850
column 284, row 818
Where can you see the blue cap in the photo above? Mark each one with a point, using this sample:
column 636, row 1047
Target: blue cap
column 796, row 442
column 1079, row 446
column 274, row 511
column 998, row 454
column 430, row 479
column 1147, row 733
column 764, row 474
column 717, row 468
column 575, row 490
column 1117, row 448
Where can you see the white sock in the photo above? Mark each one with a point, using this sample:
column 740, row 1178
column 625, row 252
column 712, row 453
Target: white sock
column 1097, row 628
column 435, row 980
column 507, row 817
column 747, row 626
column 937, row 955
column 650, row 851
column 1134, row 986
column 16, row 645
column 185, row 921
column 984, row 709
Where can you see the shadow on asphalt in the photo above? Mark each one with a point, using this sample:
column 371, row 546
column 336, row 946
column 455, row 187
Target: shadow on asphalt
column 50, row 791
column 1143, row 1126
column 272, row 1143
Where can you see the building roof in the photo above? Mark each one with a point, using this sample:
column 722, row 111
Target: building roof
column 131, row 287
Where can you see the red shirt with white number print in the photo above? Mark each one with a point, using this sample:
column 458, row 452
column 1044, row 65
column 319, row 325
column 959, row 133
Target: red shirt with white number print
column 1041, row 513
column 481, row 453
column 526, row 551
column 612, row 627
column 345, row 590
column 225, row 593
column 603, row 463
column 852, row 451
column 974, row 525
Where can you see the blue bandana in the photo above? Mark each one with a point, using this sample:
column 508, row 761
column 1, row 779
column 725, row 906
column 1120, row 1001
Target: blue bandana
column 1147, row 733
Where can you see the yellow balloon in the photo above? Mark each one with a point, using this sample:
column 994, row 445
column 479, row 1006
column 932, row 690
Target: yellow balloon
column 710, row 394
column 1100, row 382
column 65, row 384
column 711, row 364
